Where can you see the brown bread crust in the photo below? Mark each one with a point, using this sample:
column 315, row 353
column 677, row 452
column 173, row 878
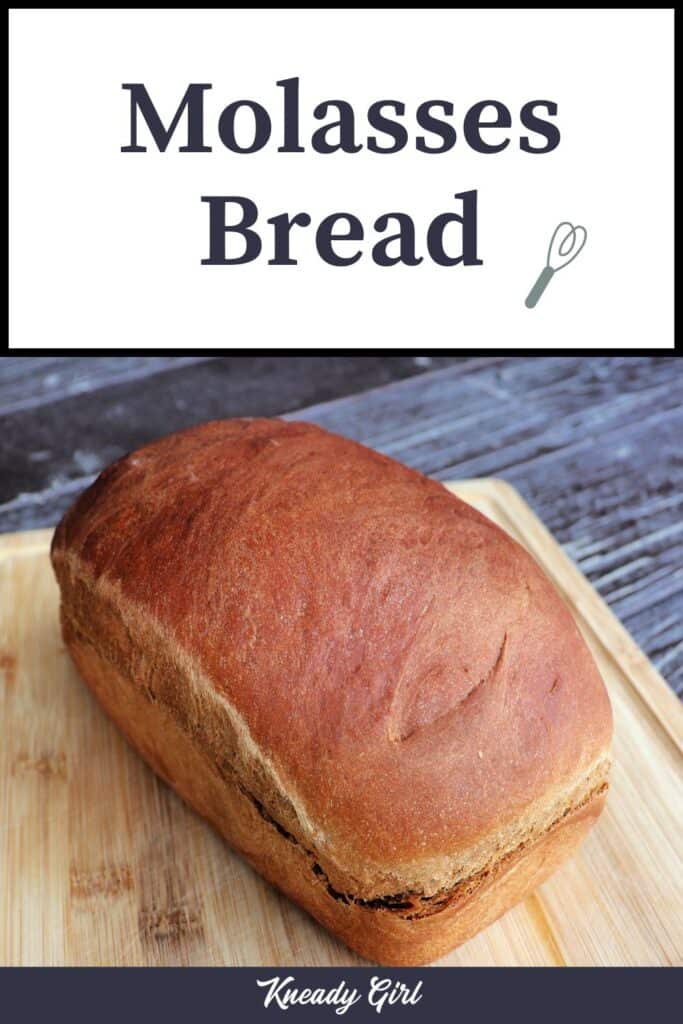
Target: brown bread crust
column 364, row 662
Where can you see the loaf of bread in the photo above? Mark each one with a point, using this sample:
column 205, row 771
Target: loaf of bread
column 368, row 688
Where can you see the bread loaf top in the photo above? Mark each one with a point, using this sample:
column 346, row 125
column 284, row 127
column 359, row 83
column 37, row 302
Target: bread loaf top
column 410, row 678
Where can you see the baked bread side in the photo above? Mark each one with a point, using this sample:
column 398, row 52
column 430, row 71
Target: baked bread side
column 372, row 692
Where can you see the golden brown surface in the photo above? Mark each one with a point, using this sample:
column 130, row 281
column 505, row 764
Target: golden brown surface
column 381, row 669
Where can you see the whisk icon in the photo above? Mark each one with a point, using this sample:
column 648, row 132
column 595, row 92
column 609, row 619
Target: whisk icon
column 560, row 255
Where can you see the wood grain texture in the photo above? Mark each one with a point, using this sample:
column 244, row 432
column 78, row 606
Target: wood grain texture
column 100, row 863
column 592, row 443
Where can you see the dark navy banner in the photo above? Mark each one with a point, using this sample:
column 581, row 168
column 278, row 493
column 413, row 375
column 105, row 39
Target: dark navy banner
column 189, row 995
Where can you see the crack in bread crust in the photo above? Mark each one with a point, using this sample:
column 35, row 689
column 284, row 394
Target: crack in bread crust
column 399, row 903
column 457, row 707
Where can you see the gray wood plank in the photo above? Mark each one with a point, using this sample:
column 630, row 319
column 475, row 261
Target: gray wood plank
column 30, row 381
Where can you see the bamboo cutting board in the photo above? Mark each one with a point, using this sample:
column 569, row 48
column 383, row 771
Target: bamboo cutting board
column 100, row 863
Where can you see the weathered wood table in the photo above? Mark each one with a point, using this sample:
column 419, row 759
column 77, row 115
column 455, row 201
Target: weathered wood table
column 593, row 444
